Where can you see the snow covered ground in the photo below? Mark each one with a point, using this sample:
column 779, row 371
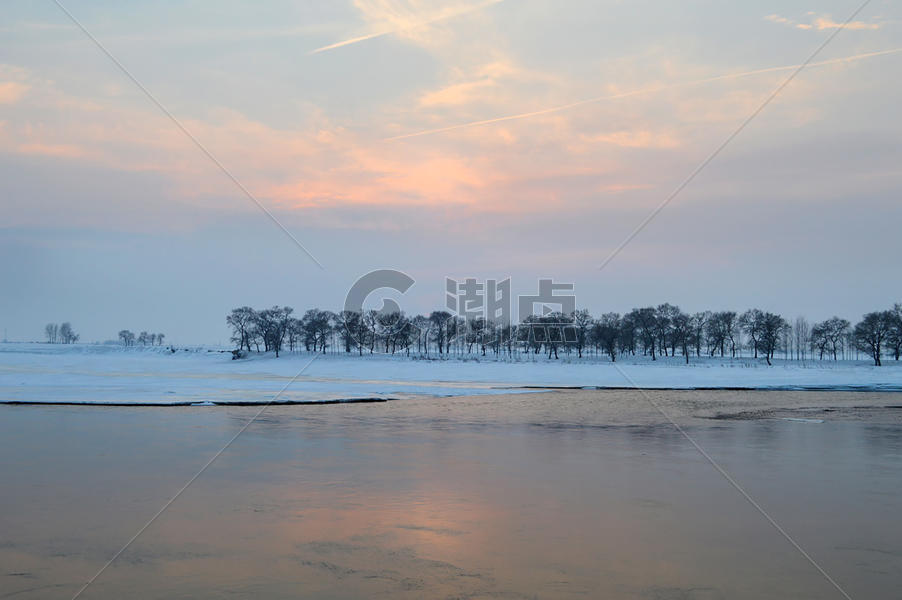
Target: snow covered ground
column 111, row 374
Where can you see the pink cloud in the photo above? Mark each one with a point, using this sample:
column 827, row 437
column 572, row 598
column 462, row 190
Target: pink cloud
column 821, row 23
column 12, row 91
column 828, row 23
column 63, row 150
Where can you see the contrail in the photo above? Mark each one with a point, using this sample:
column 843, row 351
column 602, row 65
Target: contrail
column 370, row 36
column 639, row 92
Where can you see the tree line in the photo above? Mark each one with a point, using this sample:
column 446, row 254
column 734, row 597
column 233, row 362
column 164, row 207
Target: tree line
column 60, row 334
column 664, row 330
column 128, row 338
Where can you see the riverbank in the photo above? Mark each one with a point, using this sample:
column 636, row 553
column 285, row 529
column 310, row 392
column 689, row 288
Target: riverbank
column 114, row 375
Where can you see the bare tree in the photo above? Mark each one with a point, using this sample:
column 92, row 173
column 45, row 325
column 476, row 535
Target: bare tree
column 801, row 335
column 440, row 319
column 720, row 328
column 699, row 324
column 681, row 329
column 664, row 316
column 346, row 323
column 872, row 332
column 360, row 329
column 582, row 321
column 424, row 328
column 646, row 322
column 751, row 322
column 828, row 336
column 662, row 329
column 67, row 335
column 278, row 320
column 820, row 339
column 324, row 328
column 730, row 324
column 390, row 323
column 770, row 329
column 126, row 337
column 895, row 334
column 316, row 326
column 606, row 333
column 549, row 331
column 242, row 320
column 837, row 329
column 479, row 329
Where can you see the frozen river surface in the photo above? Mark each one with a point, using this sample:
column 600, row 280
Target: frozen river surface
column 566, row 494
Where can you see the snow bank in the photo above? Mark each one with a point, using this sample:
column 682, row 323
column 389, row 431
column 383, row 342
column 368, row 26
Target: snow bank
column 112, row 374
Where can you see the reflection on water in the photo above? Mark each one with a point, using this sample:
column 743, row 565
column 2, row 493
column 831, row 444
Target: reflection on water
column 578, row 494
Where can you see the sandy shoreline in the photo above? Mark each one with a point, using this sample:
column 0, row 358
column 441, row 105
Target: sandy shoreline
column 600, row 406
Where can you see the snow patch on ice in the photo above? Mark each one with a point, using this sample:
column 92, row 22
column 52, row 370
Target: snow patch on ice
column 111, row 374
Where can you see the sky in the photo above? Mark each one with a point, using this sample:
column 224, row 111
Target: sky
column 464, row 138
